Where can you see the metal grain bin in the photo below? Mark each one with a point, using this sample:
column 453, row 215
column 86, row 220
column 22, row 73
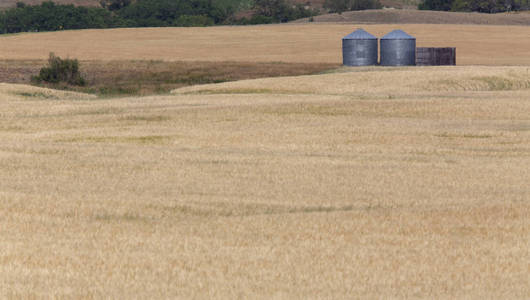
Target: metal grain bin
column 398, row 49
column 359, row 48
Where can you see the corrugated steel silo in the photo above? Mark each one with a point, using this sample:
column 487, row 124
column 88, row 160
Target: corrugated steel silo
column 359, row 48
column 398, row 49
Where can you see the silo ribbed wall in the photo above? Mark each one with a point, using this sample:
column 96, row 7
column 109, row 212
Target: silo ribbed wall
column 397, row 52
column 359, row 52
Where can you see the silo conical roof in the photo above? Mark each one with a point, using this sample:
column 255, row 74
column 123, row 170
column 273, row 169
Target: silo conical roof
column 398, row 35
column 359, row 34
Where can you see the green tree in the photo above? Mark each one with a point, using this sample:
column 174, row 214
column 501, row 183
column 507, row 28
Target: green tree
column 60, row 70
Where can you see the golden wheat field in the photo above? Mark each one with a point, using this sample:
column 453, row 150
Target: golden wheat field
column 359, row 183
column 307, row 43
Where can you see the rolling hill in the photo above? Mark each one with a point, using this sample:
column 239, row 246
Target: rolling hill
column 369, row 182
column 398, row 16
column 363, row 184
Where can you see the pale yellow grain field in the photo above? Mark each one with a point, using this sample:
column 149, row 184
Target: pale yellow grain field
column 476, row 44
column 364, row 183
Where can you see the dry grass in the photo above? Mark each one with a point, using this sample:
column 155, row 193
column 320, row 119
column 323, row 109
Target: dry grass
column 119, row 78
column 412, row 16
column 382, row 82
column 303, row 43
column 287, row 188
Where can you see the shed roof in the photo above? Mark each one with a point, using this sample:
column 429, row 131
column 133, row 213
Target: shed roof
column 398, row 35
column 359, row 34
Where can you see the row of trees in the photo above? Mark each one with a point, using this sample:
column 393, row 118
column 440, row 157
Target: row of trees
column 49, row 16
column 485, row 6
column 160, row 13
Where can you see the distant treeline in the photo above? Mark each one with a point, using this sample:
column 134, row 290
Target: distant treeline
column 484, row 6
column 49, row 16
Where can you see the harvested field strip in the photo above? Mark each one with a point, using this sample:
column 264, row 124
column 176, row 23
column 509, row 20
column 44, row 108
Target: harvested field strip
column 300, row 43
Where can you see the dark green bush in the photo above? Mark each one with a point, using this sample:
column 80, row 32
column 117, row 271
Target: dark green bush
column 193, row 21
column 60, row 71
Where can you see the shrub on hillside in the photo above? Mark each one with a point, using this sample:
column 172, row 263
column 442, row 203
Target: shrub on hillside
column 60, row 70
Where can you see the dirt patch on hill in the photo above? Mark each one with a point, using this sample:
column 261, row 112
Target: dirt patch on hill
column 394, row 16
